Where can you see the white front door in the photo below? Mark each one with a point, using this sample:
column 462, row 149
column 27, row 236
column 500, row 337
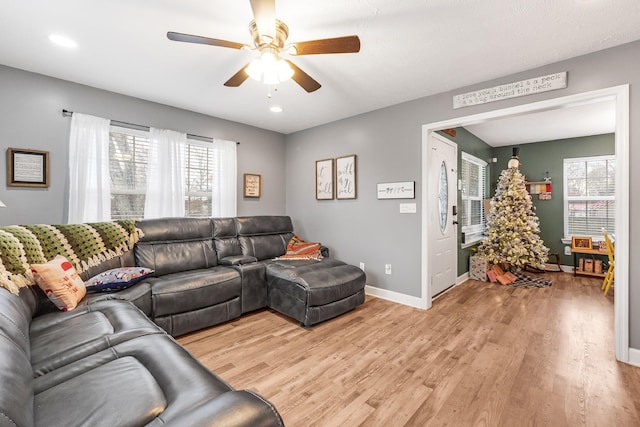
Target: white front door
column 442, row 229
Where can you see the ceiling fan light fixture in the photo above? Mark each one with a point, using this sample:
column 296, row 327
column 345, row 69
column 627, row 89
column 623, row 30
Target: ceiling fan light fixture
column 269, row 69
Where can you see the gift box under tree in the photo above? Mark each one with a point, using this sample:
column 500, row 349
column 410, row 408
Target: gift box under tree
column 478, row 267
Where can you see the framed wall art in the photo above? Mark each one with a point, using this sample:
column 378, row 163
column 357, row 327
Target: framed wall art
column 27, row 168
column 581, row 243
column 324, row 179
column 252, row 185
column 346, row 179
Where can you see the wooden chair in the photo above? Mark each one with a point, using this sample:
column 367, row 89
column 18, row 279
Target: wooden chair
column 608, row 278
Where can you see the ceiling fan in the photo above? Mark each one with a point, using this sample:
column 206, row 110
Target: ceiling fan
column 270, row 40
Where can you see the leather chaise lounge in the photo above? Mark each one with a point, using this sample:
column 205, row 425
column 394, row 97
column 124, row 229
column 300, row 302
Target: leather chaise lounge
column 113, row 361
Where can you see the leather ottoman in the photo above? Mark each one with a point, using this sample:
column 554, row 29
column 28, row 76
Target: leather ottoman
column 314, row 291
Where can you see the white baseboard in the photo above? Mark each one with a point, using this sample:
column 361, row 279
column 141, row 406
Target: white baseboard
column 462, row 279
column 567, row 268
column 407, row 299
column 394, row 297
column 634, row 357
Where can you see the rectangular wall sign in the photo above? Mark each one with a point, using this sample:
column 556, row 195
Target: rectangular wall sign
column 512, row 90
column 397, row 190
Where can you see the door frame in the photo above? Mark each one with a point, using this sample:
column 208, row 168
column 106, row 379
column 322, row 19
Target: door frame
column 620, row 95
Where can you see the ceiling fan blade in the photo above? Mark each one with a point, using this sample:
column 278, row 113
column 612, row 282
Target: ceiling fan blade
column 264, row 12
column 238, row 78
column 303, row 79
column 188, row 38
column 347, row 44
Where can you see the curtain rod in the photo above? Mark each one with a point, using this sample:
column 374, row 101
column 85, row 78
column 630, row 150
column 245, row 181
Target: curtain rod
column 68, row 113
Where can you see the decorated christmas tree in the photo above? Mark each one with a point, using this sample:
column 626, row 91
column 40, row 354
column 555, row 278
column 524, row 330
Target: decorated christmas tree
column 513, row 239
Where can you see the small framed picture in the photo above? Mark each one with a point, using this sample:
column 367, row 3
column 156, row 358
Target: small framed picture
column 27, row 168
column 324, row 179
column 346, row 179
column 581, row 243
column 252, row 185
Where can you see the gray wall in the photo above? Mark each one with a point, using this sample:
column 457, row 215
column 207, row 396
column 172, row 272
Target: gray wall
column 31, row 117
column 388, row 142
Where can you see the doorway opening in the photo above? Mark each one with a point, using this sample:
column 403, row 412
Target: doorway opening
column 620, row 96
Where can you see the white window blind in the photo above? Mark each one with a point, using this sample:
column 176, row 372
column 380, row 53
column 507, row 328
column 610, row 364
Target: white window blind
column 589, row 196
column 198, row 194
column 128, row 158
column 472, row 215
column 129, row 151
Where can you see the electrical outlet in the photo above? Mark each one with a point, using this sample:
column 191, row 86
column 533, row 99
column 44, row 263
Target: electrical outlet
column 362, row 266
column 567, row 250
column 387, row 269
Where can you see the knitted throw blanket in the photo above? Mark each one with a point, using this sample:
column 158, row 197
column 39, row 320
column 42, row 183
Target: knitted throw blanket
column 84, row 245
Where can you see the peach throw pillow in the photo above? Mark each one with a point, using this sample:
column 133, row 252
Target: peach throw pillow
column 60, row 282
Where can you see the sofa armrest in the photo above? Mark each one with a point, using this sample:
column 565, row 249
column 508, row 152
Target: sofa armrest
column 242, row 408
column 238, row 260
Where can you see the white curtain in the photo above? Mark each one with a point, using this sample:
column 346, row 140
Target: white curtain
column 89, row 179
column 165, row 174
column 225, row 181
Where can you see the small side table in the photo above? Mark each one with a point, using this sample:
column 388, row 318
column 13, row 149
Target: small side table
column 593, row 252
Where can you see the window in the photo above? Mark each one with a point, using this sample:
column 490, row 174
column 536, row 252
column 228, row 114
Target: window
column 589, row 196
column 198, row 193
column 472, row 215
column 128, row 157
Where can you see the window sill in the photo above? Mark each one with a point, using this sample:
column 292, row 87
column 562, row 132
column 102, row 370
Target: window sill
column 472, row 243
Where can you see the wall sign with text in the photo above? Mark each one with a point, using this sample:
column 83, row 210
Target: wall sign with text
column 27, row 168
column 324, row 179
column 397, row 190
column 252, row 185
column 512, row 90
column 346, row 180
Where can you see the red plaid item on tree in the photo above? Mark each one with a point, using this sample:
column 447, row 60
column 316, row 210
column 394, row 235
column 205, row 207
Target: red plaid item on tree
column 299, row 249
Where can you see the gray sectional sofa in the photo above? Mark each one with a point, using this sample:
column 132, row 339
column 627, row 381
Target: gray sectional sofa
column 113, row 359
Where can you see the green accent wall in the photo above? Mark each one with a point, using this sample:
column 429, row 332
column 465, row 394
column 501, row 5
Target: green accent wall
column 538, row 158
column 470, row 144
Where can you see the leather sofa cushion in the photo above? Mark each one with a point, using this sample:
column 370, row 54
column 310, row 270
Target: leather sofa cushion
column 263, row 225
column 15, row 316
column 182, row 380
column 120, row 392
column 58, row 339
column 16, row 379
column 224, row 228
column 191, row 290
column 228, row 247
column 175, row 229
column 266, row 246
column 139, row 295
column 170, row 245
column 173, row 257
column 264, row 237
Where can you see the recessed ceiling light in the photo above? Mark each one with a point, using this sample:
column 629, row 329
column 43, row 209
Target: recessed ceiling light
column 275, row 109
column 62, row 41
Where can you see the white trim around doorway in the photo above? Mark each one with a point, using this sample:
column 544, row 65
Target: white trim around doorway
column 620, row 94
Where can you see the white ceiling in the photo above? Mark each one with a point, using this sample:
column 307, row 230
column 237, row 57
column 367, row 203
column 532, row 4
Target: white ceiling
column 410, row 49
column 571, row 121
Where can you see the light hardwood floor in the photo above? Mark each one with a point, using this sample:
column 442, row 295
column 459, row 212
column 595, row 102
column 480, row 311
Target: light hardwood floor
column 484, row 355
